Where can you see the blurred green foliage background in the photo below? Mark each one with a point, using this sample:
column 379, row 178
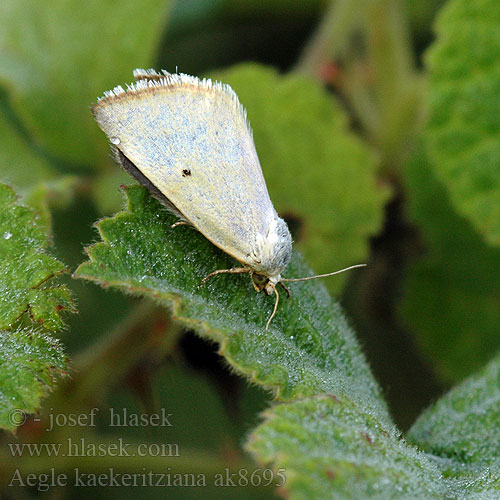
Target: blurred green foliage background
column 365, row 154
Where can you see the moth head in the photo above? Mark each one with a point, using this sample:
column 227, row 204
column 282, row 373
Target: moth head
column 266, row 284
column 273, row 250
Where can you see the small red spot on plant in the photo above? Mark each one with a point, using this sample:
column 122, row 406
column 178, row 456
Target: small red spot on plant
column 59, row 307
column 160, row 325
column 330, row 474
column 330, row 73
column 282, row 492
column 367, row 437
column 334, row 398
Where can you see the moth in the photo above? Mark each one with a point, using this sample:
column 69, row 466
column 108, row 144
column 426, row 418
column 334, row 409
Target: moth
column 189, row 142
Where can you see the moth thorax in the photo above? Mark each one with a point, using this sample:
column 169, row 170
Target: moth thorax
column 274, row 249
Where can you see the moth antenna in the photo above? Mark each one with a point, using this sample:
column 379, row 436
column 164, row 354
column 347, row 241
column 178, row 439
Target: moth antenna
column 275, row 305
column 288, row 293
column 323, row 275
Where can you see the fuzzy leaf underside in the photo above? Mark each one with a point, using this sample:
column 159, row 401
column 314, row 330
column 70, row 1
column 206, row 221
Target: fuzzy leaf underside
column 30, row 360
column 332, row 433
column 462, row 430
column 319, row 174
column 309, row 349
column 463, row 133
column 330, row 450
column 30, row 364
column 26, row 270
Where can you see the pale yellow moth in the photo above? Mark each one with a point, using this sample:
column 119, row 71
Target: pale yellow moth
column 189, row 142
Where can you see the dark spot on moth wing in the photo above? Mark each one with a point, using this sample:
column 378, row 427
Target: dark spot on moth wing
column 130, row 168
column 186, row 172
column 295, row 224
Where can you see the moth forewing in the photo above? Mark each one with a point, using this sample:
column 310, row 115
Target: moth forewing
column 168, row 125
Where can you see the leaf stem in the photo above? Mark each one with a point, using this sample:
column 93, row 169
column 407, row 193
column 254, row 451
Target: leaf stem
column 330, row 37
column 148, row 330
column 395, row 85
column 378, row 75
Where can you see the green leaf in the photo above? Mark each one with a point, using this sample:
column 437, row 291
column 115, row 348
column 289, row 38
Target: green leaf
column 30, row 360
column 106, row 190
column 463, row 133
column 30, row 363
column 26, row 269
column 319, row 174
column 55, row 193
column 329, row 448
column 28, row 172
column 56, row 59
column 451, row 294
column 461, row 432
column 309, row 348
column 20, row 165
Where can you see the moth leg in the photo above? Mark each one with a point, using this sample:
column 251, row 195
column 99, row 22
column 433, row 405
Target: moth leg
column 234, row 270
column 180, row 223
column 276, row 302
column 256, row 288
column 287, row 290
